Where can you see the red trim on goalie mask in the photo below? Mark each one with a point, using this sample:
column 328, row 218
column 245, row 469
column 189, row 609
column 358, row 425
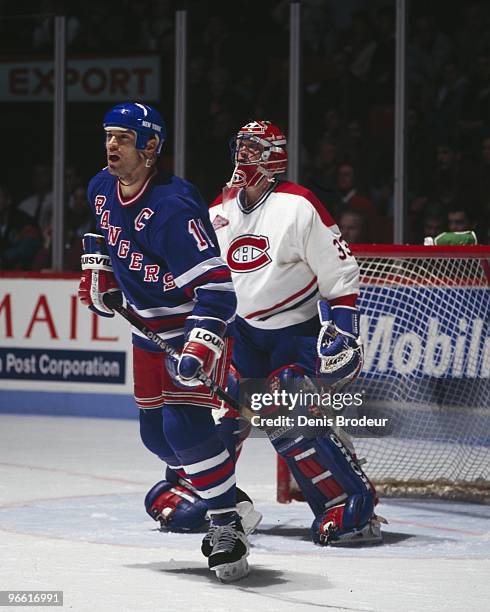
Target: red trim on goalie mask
column 271, row 157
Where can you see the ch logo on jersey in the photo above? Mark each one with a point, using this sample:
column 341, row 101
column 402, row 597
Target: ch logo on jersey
column 248, row 253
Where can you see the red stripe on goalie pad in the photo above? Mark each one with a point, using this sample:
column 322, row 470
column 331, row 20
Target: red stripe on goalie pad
column 311, row 468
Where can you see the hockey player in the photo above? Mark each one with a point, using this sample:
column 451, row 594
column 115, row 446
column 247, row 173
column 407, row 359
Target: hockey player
column 296, row 283
column 156, row 249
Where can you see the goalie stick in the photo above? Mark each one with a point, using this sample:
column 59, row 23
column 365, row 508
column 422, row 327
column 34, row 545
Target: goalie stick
column 113, row 301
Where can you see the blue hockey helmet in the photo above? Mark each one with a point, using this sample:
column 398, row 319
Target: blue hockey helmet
column 144, row 120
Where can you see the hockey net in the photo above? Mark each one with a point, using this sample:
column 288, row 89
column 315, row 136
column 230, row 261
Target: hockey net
column 425, row 324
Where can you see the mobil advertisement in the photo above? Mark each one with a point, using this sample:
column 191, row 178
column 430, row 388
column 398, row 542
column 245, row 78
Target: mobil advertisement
column 426, row 332
column 57, row 356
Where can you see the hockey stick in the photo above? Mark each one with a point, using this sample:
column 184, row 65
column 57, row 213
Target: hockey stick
column 113, row 302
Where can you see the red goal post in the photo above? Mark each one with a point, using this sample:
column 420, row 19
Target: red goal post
column 425, row 314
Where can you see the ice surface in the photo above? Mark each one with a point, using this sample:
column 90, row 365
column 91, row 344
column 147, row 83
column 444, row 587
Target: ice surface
column 72, row 519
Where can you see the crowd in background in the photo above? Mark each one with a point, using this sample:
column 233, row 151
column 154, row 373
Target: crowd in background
column 238, row 70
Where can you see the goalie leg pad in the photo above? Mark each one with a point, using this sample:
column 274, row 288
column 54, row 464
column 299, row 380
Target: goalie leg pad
column 325, row 469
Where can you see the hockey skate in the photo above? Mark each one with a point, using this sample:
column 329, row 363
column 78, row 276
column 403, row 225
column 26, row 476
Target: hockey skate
column 331, row 533
column 249, row 518
column 226, row 547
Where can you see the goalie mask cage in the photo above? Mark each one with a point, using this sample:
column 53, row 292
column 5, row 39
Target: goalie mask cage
column 425, row 325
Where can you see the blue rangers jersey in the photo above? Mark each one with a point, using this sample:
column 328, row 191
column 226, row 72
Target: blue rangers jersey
column 164, row 253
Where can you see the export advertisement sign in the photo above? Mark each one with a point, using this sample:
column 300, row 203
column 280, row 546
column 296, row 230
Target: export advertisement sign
column 87, row 80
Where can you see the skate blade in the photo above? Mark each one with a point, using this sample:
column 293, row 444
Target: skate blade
column 231, row 572
column 370, row 536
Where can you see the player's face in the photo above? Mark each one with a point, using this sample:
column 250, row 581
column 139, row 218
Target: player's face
column 122, row 156
column 248, row 151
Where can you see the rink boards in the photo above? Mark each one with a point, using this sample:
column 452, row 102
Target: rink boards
column 58, row 358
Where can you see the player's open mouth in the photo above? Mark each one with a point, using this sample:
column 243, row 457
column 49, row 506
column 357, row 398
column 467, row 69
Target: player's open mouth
column 114, row 158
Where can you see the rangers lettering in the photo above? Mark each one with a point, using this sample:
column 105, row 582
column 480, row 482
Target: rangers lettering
column 151, row 273
column 136, row 259
column 123, row 249
column 104, row 220
column 113, row 234
column 168, row 282
column 100, row 200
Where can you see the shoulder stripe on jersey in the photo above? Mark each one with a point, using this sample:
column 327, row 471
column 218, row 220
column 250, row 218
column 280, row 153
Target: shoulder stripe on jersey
column 283, row 302
column 294, row 189
column 201, row 268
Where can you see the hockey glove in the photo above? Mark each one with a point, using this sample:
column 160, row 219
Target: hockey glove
column 202, row 348
column 339, row 346
column 97, row 275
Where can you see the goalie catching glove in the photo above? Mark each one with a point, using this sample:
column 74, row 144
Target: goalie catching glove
column 97, row 276
column 202, row 348
column 339, row 345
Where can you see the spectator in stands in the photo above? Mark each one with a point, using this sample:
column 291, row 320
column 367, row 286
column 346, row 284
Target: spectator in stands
column 39, row 205
column 78, row 221
column 460, row 219
column 428, row 51
column 355, row 150
column 476, row 111
column 435, row 221
column 473, row 32
column 42, row 33
column 449, row 97
column 353, row 226
column 348, row 195
column 484, row 176
column 323, row 178
column 382, row 74
column 19, row 236
column 451, row 179
column 349, row 198
column 157, row 28
column 360, row 45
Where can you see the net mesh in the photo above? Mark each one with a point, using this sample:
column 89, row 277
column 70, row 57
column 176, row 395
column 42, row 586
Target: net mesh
column 425, row 323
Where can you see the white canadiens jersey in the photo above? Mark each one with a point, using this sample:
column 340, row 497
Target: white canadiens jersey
column 285, row 254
